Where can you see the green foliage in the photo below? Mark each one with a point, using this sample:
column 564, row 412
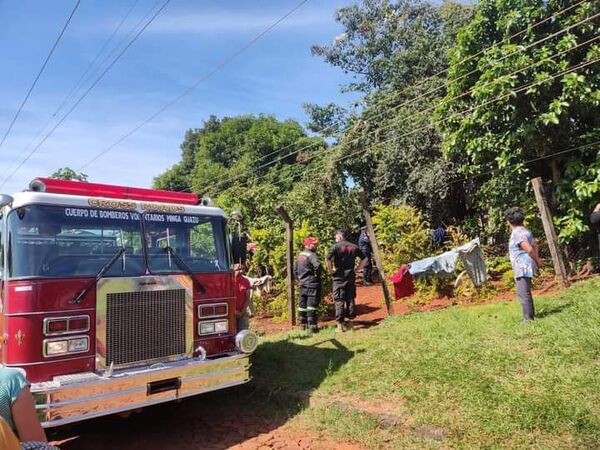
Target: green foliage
column 498, row 265
column 403, row 235
column 326, row 120
column 393, row 49
column 506, row 119
column 66, row 173
column 384, row 42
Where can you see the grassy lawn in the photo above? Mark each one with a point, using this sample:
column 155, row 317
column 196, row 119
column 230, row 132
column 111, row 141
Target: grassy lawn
column 460, row 378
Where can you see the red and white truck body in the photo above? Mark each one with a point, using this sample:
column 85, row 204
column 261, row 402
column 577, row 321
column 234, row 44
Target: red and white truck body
column 116, row 298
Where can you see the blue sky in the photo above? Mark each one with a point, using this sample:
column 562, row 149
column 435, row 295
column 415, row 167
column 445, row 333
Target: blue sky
column 187, row 40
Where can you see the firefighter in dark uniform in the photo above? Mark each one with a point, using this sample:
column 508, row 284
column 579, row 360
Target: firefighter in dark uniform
column 340, row 264
column 308, row 274
column 364, row 244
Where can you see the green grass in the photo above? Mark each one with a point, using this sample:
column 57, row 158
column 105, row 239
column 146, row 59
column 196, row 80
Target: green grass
column 460, row 378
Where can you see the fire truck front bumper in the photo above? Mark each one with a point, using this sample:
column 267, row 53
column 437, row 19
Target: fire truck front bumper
column 73, row 398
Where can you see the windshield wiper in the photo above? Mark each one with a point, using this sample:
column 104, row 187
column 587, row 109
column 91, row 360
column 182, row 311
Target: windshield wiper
column 107, row 265
column 183, row 266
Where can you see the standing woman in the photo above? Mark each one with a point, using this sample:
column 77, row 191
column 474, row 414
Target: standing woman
column 524, row 257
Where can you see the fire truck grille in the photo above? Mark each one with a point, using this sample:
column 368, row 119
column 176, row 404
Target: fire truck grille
column 144, row 326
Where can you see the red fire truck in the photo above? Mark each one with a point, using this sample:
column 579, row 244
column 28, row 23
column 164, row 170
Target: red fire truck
column 116, row 298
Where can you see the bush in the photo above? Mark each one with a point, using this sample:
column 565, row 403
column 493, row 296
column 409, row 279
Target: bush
column 403, row 235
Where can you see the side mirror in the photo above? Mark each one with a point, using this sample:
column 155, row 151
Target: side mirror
column 238, row 248
column 5, row 200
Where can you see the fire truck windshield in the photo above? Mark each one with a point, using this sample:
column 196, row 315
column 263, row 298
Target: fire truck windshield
column 198, row 242
column 63, row 241
column 60, row 242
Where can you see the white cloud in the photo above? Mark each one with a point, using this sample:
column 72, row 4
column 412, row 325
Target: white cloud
column 232, row 21
column 220, row 22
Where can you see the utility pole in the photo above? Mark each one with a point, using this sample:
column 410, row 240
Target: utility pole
column 289, row 241
column 376, row 253
column 550, row 232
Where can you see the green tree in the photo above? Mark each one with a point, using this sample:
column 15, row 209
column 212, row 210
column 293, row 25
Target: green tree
column 233, row 151
column 393, row 43
column 519, row 105
column 66, row 173
column 396, row 51
column 178, row 177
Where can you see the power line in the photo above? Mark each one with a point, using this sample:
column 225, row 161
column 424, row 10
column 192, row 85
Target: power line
column 39, row 74
column 188, row 90
column 413, row 100
column 418, row 113
column 82, row 81
column 514, row 166
column 463, row 61
column 460, row 113
column 539, row 158
column 83, row 78
column 315, row 170
column 125, row 38
column 89, row 89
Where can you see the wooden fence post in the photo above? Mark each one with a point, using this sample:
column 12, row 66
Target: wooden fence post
column 376, row 253
column 289, row 240
column 557, row 256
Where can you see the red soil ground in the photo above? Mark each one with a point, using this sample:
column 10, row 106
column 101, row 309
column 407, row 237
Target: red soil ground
column 370, row 308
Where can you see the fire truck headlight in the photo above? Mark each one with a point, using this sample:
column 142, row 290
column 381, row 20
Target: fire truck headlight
column 221, row 327
column 57, row 347
column 53, row 348
column 206, row 328
column 246, row 341
column 78, row 345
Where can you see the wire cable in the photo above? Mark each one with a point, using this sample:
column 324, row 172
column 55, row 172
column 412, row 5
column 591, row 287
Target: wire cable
column 316, row 170
column 191, row 88
column 82, row 81
column 88, row 90
column 39, row 74
column 526, row 162
column 462, row 62
column 418, row 113
column 413, row 100
column 460, row 113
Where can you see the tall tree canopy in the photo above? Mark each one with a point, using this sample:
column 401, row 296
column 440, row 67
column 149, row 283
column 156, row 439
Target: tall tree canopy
column 253, row 163
column 522, row 103
column 397, row 52
column 236, row 150
column 393, row 44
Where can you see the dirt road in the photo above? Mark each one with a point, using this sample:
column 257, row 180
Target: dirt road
column 212, row 421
